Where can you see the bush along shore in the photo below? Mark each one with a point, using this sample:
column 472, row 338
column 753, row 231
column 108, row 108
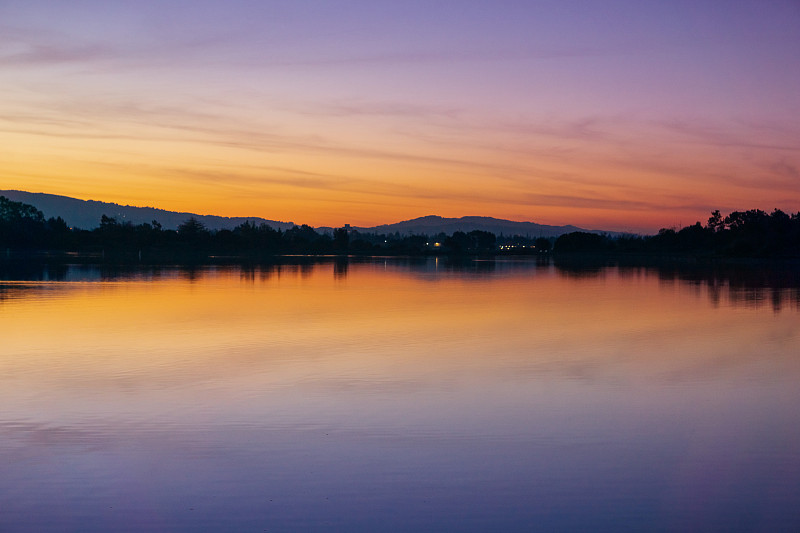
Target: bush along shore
column 740, row 234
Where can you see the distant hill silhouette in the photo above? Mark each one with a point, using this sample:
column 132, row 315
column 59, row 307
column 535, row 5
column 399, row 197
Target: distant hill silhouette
column 433, row 225
column 85, row 214
column 124, row 234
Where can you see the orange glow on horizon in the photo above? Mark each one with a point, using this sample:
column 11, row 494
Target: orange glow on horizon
column 565, row 124
column 327, row 183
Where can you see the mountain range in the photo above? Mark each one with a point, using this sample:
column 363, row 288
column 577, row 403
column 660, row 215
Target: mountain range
column 86, row 214
column 433, row 225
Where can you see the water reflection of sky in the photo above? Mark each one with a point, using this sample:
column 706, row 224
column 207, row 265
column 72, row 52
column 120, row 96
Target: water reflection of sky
column 292, row 397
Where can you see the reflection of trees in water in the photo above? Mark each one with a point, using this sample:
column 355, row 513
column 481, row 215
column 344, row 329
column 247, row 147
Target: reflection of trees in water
column 289, row 266
column 443, row 267
column 752, row 284
column 27, row 271
column 468, row 265
column 776, row 290
column 8, row 292
column 247, row 273
column 757, row 297
column 191, row 273
column 340, row 267
column 33, row 271
column 112, row 272
column 580, row 267
column 41, row 270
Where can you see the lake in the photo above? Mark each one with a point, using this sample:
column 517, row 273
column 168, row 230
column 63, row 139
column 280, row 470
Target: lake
column 400, row 395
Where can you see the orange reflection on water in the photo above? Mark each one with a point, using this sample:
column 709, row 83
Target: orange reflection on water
column 230, row 334
column 373, row 383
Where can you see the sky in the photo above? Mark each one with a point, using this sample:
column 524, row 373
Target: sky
column 627, row 115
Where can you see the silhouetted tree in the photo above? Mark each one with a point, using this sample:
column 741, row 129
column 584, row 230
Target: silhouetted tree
column 193, row 232
column 542, row 244
column 21, row 225
column 58, row 235
column 191, row 228
column 481, row 241
column 457, row 243
column 715, row 221
column 11, row 211
column 107, row 221
column 581, row 241
column 752, row 233
column 341, row 239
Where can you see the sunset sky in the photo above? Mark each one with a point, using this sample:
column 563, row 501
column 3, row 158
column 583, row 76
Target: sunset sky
column 621, row 115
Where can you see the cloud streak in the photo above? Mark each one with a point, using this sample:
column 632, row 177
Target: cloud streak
column 487, row 110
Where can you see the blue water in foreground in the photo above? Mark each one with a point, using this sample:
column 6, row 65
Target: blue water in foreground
column 384, row 395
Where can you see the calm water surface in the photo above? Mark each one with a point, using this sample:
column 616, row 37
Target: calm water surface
column 392, row 396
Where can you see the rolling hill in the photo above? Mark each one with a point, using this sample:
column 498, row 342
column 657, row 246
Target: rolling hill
column 86, row 214
column 433, row 225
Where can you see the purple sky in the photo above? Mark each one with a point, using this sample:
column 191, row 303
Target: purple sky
column 619, row 114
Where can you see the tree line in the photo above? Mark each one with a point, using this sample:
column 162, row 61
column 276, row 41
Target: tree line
column 23, row 227
column 751, row 233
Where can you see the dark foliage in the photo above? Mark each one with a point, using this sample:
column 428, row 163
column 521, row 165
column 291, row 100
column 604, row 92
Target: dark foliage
column 470, row 243
column 580, row 241
column 753, row 233
column 21, row 225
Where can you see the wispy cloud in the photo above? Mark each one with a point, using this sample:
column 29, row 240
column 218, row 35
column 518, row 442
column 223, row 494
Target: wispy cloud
column 36, row 55
column 35, row 48
column 254, row 96
column 713, row 133
column 785, row 169
column 356, row 108
column 227, row 48
column 393, row 58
